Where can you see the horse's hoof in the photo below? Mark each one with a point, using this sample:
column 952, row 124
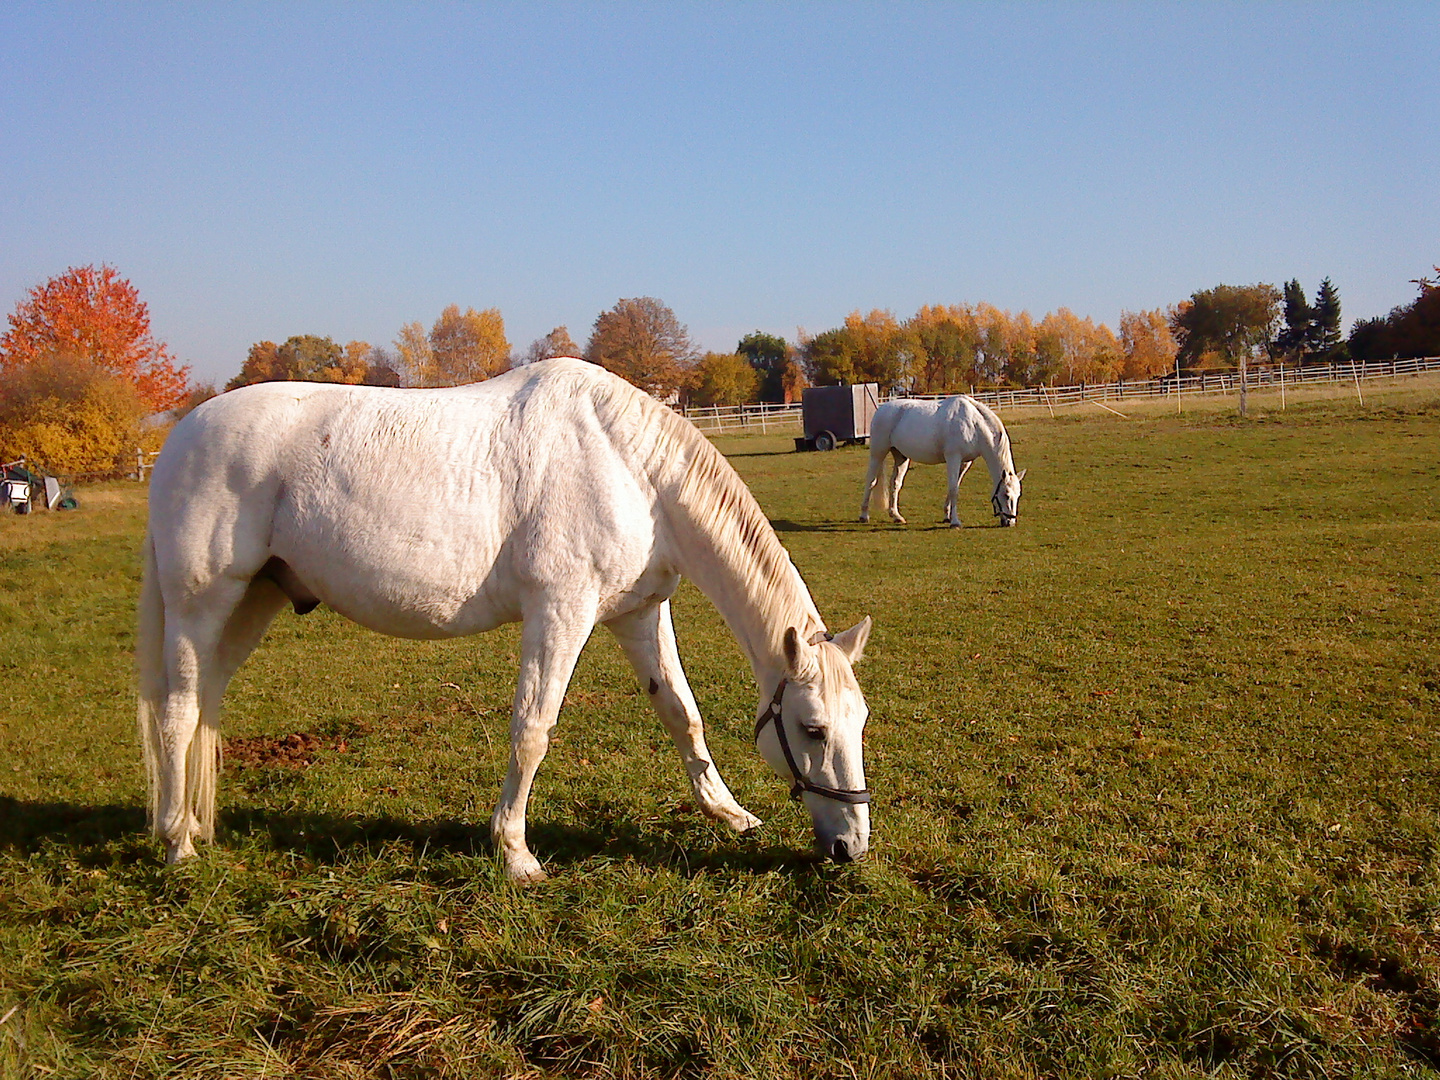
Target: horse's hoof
column 175, row 854
column 745, row 822
column 526, row 873
column 864, row 519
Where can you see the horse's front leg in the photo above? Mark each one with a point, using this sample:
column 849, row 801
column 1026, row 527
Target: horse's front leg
column 957, row 470
column 897, row 477
column 648, row 638
column 872, row 481
column 550, row 643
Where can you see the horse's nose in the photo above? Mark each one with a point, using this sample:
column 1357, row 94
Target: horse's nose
column 840, row 852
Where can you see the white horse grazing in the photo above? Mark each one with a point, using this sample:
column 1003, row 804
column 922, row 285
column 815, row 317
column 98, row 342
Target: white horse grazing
column 556, row 495
column 955, row 430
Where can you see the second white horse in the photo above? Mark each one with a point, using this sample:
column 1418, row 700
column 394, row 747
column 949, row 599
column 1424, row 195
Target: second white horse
column 955, row 430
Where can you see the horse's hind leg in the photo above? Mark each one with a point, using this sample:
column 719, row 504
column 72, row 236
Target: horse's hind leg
column 648, row 638
column 957, row 470
column 185, row 744
column 550, row 642
column 897, row 477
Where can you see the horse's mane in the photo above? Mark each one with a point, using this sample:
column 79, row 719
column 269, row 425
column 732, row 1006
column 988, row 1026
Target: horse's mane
column 702, row 495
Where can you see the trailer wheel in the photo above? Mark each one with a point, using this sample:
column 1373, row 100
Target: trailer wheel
column 825, row 441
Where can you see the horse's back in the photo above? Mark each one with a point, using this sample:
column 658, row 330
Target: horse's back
column 419, row 512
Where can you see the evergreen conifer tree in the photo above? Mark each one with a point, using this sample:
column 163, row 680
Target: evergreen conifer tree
column 1297, row 339
column 1328, row 340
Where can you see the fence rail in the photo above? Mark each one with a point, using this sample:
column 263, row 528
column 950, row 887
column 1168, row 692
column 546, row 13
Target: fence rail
column 787, row 419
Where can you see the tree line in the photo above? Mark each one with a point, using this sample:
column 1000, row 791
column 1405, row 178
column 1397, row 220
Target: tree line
column 80, row 369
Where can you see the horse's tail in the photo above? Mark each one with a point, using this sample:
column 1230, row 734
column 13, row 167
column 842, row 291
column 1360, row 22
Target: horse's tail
column 150, row 667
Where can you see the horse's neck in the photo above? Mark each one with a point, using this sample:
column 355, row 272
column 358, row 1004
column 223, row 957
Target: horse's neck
column 725, row 545
column 995, row 449
column 757, row 612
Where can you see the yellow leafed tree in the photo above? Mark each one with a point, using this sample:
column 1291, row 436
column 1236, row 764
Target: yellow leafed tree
column 461, row 347
column 1147, row 344
column 470, row 347
column 68, row 415
column 724, row 379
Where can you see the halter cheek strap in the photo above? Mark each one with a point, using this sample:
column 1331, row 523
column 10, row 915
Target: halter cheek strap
column 772, row 712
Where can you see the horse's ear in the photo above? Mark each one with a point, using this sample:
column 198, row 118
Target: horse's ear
column 852, row 641
column 1021, row 474
column 799, row 655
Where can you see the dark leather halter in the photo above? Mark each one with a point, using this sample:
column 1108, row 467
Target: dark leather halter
column 772, row 712
column 995, row 503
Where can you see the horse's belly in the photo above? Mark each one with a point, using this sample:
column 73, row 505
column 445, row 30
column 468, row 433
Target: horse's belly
column 411, row 606
column 406, row 583
column 920, row 451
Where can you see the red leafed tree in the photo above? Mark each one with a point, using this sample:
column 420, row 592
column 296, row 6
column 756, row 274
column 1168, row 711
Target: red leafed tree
column 95, row 315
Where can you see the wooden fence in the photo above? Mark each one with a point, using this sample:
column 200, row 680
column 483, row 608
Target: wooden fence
column 786, row 419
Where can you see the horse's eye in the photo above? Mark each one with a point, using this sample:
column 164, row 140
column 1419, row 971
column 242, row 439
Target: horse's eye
column 813, row 731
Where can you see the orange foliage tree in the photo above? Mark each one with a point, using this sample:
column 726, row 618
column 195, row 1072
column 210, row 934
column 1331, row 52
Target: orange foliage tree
column 96, row 316
column 1147, row 343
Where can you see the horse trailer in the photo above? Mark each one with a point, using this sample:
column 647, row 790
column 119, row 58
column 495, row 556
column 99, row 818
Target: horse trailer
column 835, row 415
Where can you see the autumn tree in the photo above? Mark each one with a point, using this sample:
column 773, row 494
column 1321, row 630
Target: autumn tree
column 382, row 367
column 460, row 347
column 1008, row 349
column 97, row 316
column 468, row 347
column 944, row 342
column 868, row 348
column 417, row 359
column 71, row 416
column 304, row 358
column 641, row 341
column 556, row 343
column 1147, row 345
column 724, row 379
column 1073, row 348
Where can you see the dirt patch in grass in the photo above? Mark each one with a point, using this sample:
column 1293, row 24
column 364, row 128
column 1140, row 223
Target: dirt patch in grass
column 297, row 750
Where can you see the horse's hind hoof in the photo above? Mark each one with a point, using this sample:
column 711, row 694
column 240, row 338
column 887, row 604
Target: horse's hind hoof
column 175, row 854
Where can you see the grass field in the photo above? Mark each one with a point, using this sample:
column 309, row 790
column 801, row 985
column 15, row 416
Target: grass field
column 1157, row 783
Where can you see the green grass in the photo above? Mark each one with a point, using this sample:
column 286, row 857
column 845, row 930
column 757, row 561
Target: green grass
column 1157, row 778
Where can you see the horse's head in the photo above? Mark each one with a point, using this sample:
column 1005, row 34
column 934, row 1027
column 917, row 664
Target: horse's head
column 810, row 733
column 1005, row 502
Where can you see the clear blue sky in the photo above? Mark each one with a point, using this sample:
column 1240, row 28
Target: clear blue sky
column 260, row 171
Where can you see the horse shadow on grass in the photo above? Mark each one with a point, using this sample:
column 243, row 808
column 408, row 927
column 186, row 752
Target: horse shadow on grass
column 110, row 833
column 783, row 525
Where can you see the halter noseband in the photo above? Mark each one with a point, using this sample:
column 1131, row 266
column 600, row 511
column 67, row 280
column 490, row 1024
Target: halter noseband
column 772, row 712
